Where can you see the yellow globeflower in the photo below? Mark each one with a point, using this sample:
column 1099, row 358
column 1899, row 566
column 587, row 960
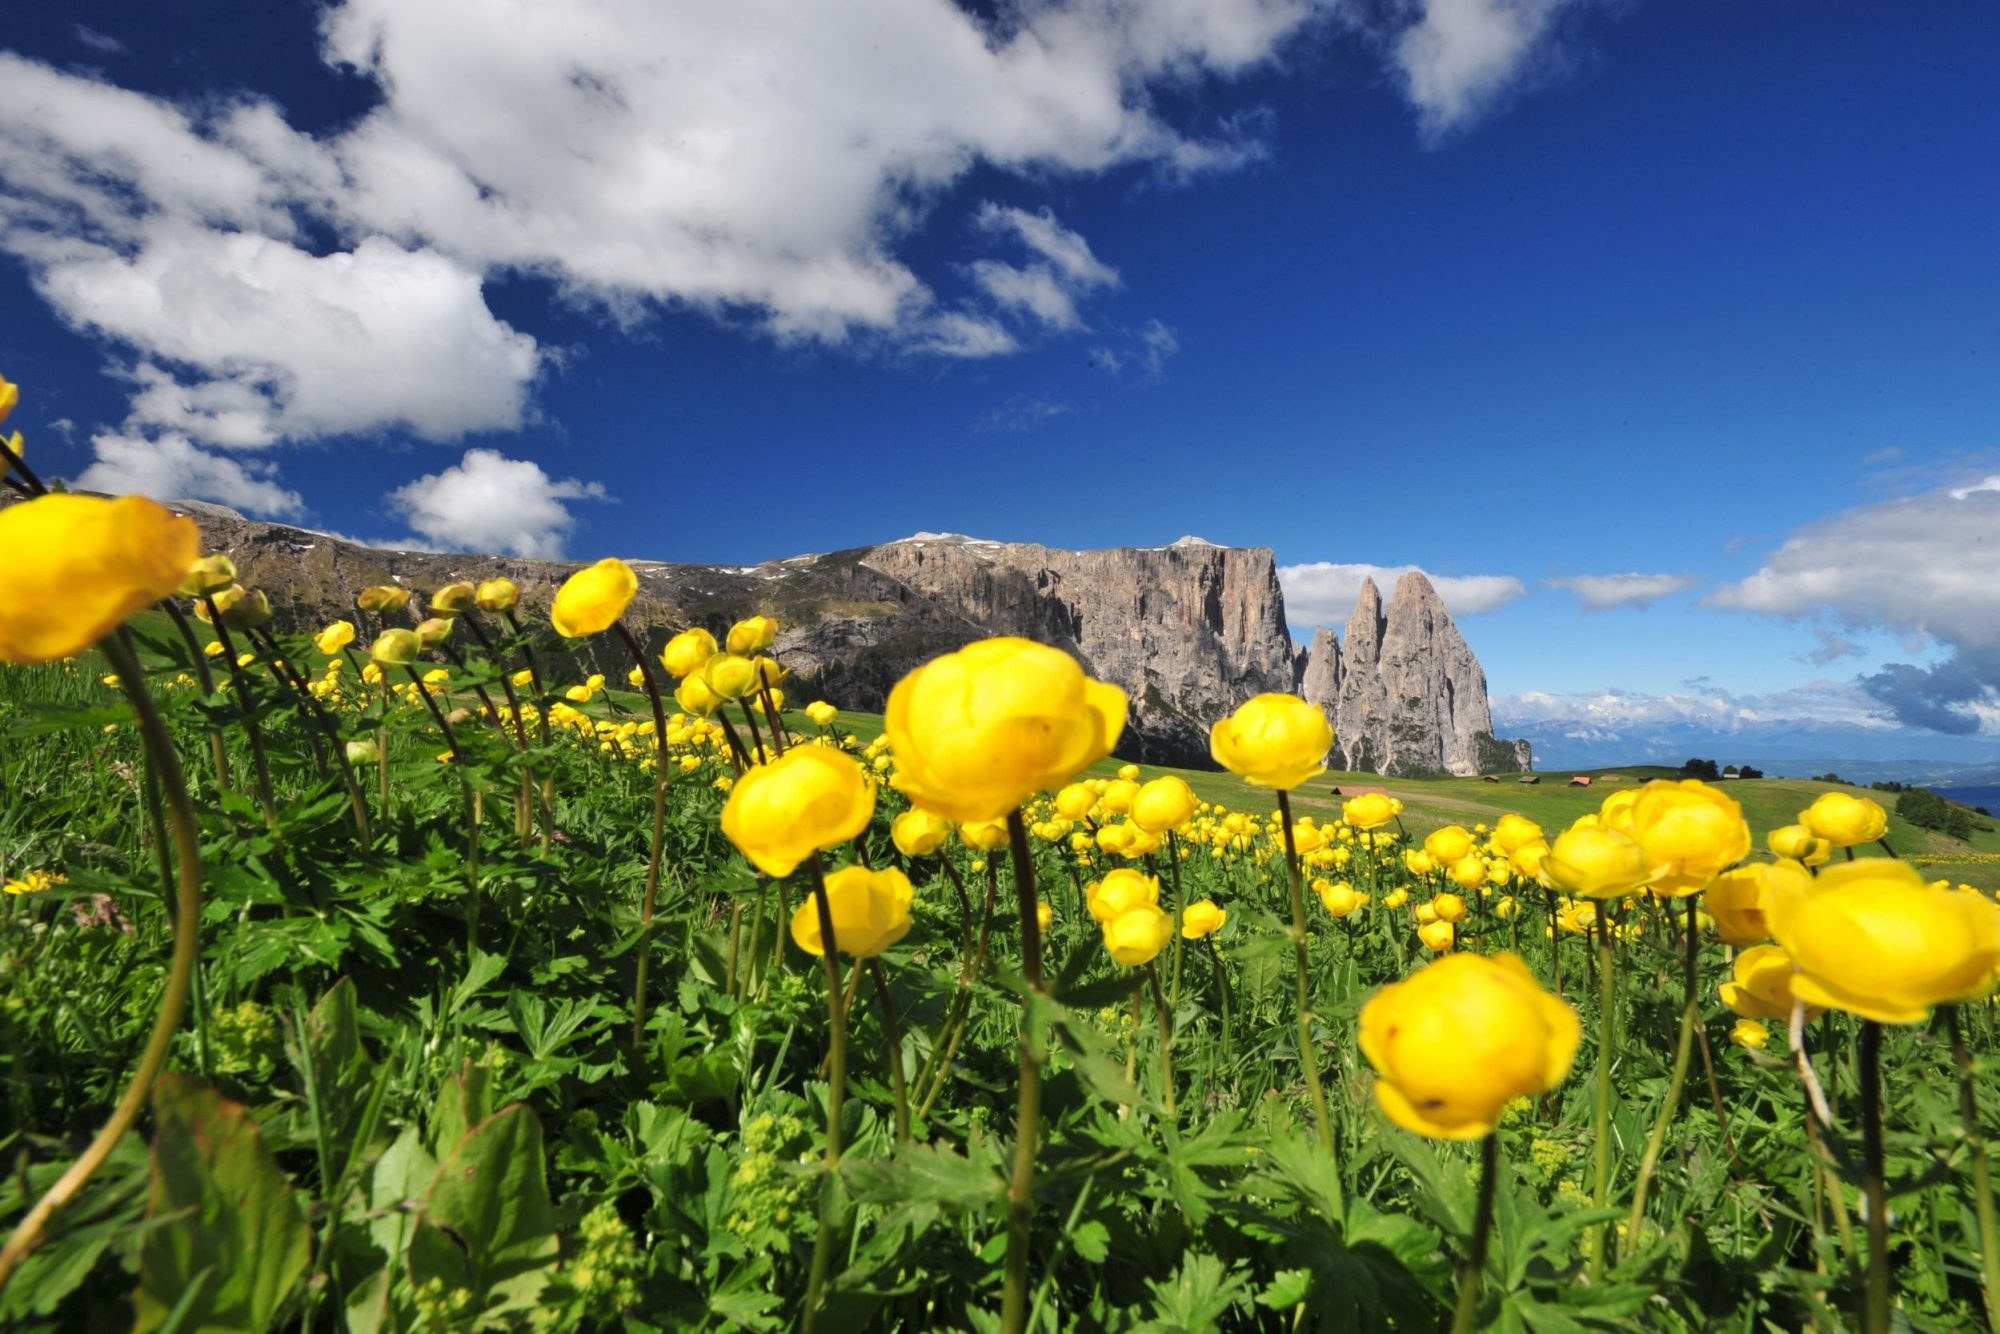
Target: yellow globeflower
column 1135, row 937
column 693, row 696
column 807, row 800
column 1075, row 801
column 1760, row 985
column 1273, row 740
column 729, row 676
column 79, row 566
column 1437, row 935
column 1370, row 810
column 688, row 652
column 454, row 599
column 334, row 638
column 977, row 732
column 1871, row 937
column 496, row 595
column 382, row 597
column 592, row 598
column 919, row 833
column 1750, row 1033
column 1449, row 907
column 210, row 574
column 1460, row 1039
column 1844, row 820
column 1513, row 832
column 1468, row 872
column 1736, row 900
column 10, row 394
column 751, row 635
column 434, row 630
column 983, row 835
column 1596, row 862
column 395, row 648
column 1448, row 844
column 822, row 713
column 1689, row 832
column 1338, row 897
column 1119, row 892
column 1162, row 804
column 870, row 910
column 1202, row 919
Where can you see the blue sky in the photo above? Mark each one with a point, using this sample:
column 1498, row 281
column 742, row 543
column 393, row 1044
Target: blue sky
column 1517, row 291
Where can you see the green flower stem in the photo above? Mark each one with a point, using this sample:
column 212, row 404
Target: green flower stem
column 548, row 793
column 245, row 708
column 1982, row 1178
column 1555, row 944
column 471, row 809
column 1601, row 1146
column 659, row 830
column 836, row 1097
column 309, row 704
column 880, row 977
column 1874, row 1185
column 1166, row 1039
column 1180, row 910
column 1472, row 1269
column 1690, row 1018
column 958, row 1018
column 1028, row 1110
column 218, row 749
column 1302, row 957
column 180, row 971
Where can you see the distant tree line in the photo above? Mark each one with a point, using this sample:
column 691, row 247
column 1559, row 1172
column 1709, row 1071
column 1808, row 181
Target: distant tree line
column 1927, row 810
column 1711, row 771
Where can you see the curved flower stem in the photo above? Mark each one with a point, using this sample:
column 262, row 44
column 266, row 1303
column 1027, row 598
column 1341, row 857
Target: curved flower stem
column 836, row 1020
column 1472, row 1269
column 1028, row 1109
column 471, row 810
column 1166, row 1039
column 245, row 706
column 1690, row 1017
column 1601, row 1145
column 548, row 787
column 659, row 829
column 218, row 750
column 1982, row 1176
column 1307, row 1057
column 308, row 704
column 957, row 1017
column 1875, row 1316
column 880, row 977
column 180, row 971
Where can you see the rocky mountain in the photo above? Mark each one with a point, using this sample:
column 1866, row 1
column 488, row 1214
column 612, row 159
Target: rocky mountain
column 1189, row 630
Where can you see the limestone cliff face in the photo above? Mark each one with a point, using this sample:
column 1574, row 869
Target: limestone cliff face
column 1189, row 630
column 1405, row 693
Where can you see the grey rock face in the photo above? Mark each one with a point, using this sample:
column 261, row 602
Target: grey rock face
column 1189, row 631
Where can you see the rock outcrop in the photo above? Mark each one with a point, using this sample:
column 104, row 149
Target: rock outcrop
column 1189, row 630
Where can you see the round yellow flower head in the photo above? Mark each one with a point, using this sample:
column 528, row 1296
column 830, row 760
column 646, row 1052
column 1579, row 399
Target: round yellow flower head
column 870, row 912
column 1460, row 1039
column 496, row 595
column 1594, row 861
column 1871, row 937
column 1845, row 821
column 1202, row 919
column 1135, row 937
column 1448, row 844
column 1117, row 795
column 807, row 800
column 524, row 677
column 395, row 648
column 1689, row 832
column 728, row 676
column 590, row 600
column 1760, row 985
column 1338, row 898
column 1162, row 804
column 210, row 574
column 1396, row 898
column 693, row 696
column 751, row 635
column 1468, row 872
column 1796, row 842
column 1437, row 935
column 821, row 713
column 1736, row 900
column 1370, row 810
column 433, row 631
column 1418, row 862
column 919, row 833
column 687, row 653
column 1075, row 801
column 454, row 599
column 238, row 607
column 1513, row 832
column 334, row 638
column 1045, row 916
column 1273, row 740
column 1119, row 892
column 977, row 732
column 79, row 566
column 363, row 752
column 983, row 835
column 1450, row 907
column 382, row 597
column 1751, row 1034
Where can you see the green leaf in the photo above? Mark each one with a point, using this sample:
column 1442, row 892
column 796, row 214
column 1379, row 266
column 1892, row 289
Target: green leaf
column 402, row 1174
column 342, row 1074
column 221, row 1204
column 465, row 1100
column 1286, row 1289
column 926, row 1174
column 487, row 1225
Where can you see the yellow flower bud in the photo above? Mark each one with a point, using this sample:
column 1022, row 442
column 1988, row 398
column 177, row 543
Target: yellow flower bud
column 496, row 595
column 524, row 677
column 1202, row 919
column 1749, row 1033
column 983, row 835
column 1370, row 810
column 210, row 574
column 751, row 635
column 1460, row 1039
column 396, row 648
column 1448, row 844
column 1689, row 832
column 1117, row 795
column 1338, row 898
column 1075, row 801
column 1596, row 862
column 1450, row 907
column 1135, row 937
column 1045, row 916
column 1844, row 820
column 1162, row 804
column 1513, row 832
column 590, row 600
column 728, row 676
column 334, row 638
column 919, row 833
column 821, row 713
column 1760, row 985
column 1437, row 936
column 454, row 599
column 1468, row 872
column 870, row 910
column 687, row 653
column 433, row 631
column 977, row 732
column 1120, row 891
column 1736, row 900
column 1273, row 740
column 809, row 799
column 383, row 597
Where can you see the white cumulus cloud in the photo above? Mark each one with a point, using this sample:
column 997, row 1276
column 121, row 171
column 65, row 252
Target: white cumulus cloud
column 1324, row 592
column 487, row 502
column 172, row 467
column 1463, row 55
column 1599, row 592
